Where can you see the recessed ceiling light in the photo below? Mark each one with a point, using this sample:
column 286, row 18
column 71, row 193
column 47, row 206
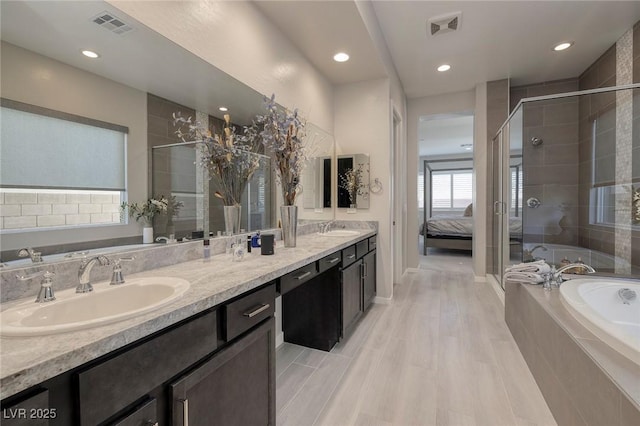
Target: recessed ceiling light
column 563, row 46
column 444, row 67
column 90, row 54
column 223, row 109
column 341, row 57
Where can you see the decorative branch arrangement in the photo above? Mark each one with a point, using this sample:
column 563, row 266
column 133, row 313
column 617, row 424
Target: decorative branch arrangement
column 283, row 134
column 228, row 157
column 352, row 182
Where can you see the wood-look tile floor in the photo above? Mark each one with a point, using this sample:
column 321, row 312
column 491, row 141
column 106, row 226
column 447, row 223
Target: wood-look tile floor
column 440, row 354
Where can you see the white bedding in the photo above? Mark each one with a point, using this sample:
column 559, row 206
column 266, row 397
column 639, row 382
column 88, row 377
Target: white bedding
column 462, row 226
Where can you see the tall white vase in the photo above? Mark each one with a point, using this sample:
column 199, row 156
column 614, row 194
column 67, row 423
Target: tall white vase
column 232, row 219
column 147, row 235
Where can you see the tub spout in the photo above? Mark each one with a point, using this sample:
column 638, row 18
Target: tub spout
column 557, row 277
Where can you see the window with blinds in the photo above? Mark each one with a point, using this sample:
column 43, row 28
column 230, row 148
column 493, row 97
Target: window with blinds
column 516, row 191
column 451, row 191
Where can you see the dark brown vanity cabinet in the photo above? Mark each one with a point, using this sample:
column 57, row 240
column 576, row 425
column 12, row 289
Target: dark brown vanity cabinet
column 358, row 278
column 219, row 364
column 236, row 386
column 351, row 296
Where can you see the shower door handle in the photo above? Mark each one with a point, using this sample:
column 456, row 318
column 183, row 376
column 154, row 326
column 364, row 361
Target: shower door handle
column 499, row 208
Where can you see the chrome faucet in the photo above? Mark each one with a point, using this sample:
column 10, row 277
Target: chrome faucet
column 557, row 275
column 84, row 273
column 36, row 256
column 326, row 226
column 116, row 276
column 46, row 291
column 527, row 255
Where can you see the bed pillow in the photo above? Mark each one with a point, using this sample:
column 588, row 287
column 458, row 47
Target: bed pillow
column 468, row 211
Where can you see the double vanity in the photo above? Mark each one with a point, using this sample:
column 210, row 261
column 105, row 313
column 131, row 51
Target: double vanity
column 203, row 354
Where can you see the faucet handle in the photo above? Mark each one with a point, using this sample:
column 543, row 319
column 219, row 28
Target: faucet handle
column 117, row 277
column 46, row 291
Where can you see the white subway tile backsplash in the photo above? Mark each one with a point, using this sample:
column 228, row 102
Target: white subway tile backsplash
column 10, row 210
column 51, row 220
column 90, row 208
column 36, row 209
column 65, row 209
column 101, row 218
column 116, row 217
column 20, row 198
column 101, row 198
column 19, row 222
column 116, row 199
column 78, row 198
column 1, row 197
column 110, row 208
column 78, row 219
column 47, row 198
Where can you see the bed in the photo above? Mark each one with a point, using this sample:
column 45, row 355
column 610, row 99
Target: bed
column 456, row 232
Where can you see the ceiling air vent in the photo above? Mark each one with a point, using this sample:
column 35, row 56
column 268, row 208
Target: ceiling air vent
column 109, row 21
column 444, row 23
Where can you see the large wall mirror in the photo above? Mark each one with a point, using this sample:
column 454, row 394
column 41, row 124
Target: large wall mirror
column 138, row 81
column 317, row 179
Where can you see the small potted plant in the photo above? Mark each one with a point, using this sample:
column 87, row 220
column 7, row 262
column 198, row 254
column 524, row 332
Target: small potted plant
column 146, row 212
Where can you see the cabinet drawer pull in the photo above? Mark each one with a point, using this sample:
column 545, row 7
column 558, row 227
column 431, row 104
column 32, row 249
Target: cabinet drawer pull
column 303, row 276
column 185, row 412
column 351, row 256
column 257, row 311
column 334, row 260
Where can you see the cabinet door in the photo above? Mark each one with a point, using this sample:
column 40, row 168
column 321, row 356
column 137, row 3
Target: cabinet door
column 351, row 296
column 369, row 279
column 31, row 411
column 236, row 386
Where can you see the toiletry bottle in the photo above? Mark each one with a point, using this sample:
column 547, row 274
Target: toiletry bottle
column 255, row 240
column 207, row 249
column 248, row 243
column 238, row 250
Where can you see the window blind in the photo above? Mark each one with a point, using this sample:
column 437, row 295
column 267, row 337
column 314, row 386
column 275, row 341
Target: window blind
column 39, row 151
column 451, row 189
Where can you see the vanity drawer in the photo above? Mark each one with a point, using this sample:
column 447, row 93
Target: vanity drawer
column 362, row 248
column 328, row 262
column 144, row 414
column 373, row 241
column 108, row 387
column 348, row 256
column 244, row 313
column 293, row 279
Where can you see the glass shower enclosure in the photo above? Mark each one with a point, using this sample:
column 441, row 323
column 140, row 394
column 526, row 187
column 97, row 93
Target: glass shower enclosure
column 565, row 182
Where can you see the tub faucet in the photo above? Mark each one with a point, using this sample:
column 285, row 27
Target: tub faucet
column 36, row 256
column 84, row 273
column 527, row 255
column 557, row 276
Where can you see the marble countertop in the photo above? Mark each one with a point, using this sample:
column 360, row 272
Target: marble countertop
column 624, row 372
column 27, row 361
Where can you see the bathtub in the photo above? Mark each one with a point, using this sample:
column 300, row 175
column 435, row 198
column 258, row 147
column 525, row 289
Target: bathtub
column 556, row 252
column 595, row 303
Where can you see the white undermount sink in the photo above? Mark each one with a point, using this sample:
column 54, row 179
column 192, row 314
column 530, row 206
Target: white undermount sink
column 340, row 233
column 106, row 304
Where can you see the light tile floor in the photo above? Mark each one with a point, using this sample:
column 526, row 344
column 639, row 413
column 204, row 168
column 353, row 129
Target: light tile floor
column 440, row 354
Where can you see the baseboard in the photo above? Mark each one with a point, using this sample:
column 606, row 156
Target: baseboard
column 412, row 270
column 496, row 287
column 279, row 339
column 383, row 300
column 479, row 279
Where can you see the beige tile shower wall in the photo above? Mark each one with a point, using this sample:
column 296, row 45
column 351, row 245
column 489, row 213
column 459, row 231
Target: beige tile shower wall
column 20, row 210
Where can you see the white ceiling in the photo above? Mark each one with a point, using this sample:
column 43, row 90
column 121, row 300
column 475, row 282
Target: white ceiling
column 320, row 29
column 496, row 40
column 442, row 135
